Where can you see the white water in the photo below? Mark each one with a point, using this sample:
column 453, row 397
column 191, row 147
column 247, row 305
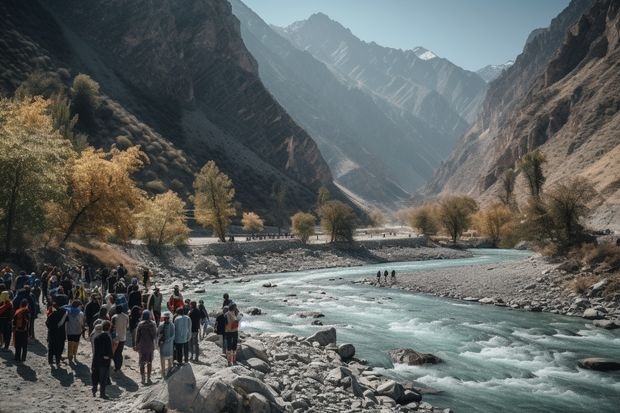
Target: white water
column 496, row 359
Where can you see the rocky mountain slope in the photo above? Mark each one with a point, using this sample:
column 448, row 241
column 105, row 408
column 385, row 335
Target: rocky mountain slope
column 176, row 79
column 560, row 96
column 492, row 72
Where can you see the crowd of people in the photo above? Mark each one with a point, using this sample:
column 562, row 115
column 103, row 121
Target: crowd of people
column 385, row 277
column 108, row 309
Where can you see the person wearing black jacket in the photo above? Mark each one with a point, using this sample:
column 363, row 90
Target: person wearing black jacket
column 91, row 311
column 195, row 315
column 56, row 334
column 102, row 357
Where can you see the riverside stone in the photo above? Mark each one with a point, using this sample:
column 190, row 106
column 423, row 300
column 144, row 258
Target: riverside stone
column 323, row 337
column 258, row 364
column 346, row 351
column 592, row 314
column 411, row 357
column 607, row 324
column 599, row 364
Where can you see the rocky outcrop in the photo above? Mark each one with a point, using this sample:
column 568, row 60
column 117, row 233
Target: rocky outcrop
column 600, row 364
column 560, row 96
column 176, row 79
column 412, row 357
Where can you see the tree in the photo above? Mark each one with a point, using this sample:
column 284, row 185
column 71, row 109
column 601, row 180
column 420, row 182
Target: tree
column 338, row 220
column 424, row 219
column 60, row 110
column 455, row 214
column 252, row 222
column 567, row 203
column 213, row 199
column 86, row 99
column 303, row 225
column 323, row 196
column 102, row 198
column 531, row 165
column 33, row 159
column 376, row 218
column 278, row 194
column 507, row 181
column 493, row 222
column 162, row 221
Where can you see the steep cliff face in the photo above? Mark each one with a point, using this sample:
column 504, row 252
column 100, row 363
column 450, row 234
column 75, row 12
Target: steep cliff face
column 564, row 103
column 414, row 80
column 180, row 69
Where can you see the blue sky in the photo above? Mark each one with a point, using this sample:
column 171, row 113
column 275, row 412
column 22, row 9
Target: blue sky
column 470, row 33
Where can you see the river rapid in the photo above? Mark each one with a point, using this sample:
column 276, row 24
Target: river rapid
column 495, row 359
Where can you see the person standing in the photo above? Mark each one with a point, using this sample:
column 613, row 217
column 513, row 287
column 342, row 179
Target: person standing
column 56, row 334
column 385, row 275
column 379, row 277
column 393, row 277
column 182, row 334
column 227, row 300
column 154, row 304
column 21, row 323
column 75, row 327
column 146, row 334
column 232, row 333
column 176, row 300
column 204, row 318
column 220, row 326
column 120, row 323
column 6, row 318
column 146, row 277
column 165, row 334
column 102, row 357
column 91, row 311
column 195, row 316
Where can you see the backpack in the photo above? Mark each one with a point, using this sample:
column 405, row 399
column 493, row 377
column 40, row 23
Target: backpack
column 220, row 324
column 20, row 321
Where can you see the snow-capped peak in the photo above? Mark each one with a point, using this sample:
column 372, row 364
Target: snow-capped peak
column 424, row 54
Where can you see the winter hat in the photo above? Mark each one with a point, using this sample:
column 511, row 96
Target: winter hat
column 146, row 315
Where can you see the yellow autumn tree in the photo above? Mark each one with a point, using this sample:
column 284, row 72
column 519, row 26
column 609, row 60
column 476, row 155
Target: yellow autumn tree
column 303, row 225
column 162, row 221
column 338, row 220
column 102, row 198
column 33, row 159
column 494, row 222
column 251, row 222
column 213, row 199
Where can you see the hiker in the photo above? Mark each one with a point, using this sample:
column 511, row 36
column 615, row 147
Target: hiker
column 135, row 316
column 121, row 271
column 385, row 275
column 227, row 300
column 182, row 335
column 176, row 300
column 33, row 307
column 135, row 296
column 146, row 276
column 379, row 277
column 6, row 318
column 204, row 319
column 154, row 304
column 91, row 311
column 220, row 327
column 393, row 277
column 144, row 344
column 120, row 322
column 232, row 333
column 21, row 321
column 165, row 334
column 75, row 327
column 102, row 357
column 195, row 316
column 111, row 281
column 56, row 334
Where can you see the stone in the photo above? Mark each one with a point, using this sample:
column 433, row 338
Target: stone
column 391, row 389
column 486, row 300
column 607, row 324
column 254, row 311
column 249, row 384
column 599, row 364
column 409, row 396
column 155, row 406
column 412, row 358
column 257, row 403
column 472, row 299
column 323, row 337
column 599, row 286
column 252, row 348
column 346, row 351
column 592, row 314
column 259, row 365
column 569, row 266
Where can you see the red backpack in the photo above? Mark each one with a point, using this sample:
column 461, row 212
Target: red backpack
column 21, row 320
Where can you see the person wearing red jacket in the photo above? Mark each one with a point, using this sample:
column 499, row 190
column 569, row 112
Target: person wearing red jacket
column 176, row 300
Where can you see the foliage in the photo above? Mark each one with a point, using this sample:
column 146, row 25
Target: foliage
column 38, row 83
column 102, row 198
column 162, row 221
column 507, row 181
column 455, row 214
column 323, row 196
column 252, row 222
column 567, row 203
column 213, row 199
column 377, row 218
column 60, row 110
column 494, row 222
column 85, row 98
column 303, row 225
column 531, row 165
column 338, row 220
column 278, row 194
column 424, row 219
column 33, row 159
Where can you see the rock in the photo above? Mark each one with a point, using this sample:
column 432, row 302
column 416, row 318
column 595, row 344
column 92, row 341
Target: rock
column 259, row 365
column 249, row 384
column 269, row 285
column 599, row 364
column 391, row 389
column 472, row 299
column 252, row 348
column 199, row 291
column 409, row 396
column 607, row 324
column 316, row 323
column 411, row 357
column 254, row 311
column 257, row 403
column 592, row 314
column 155, row 406
column 346, row 351
column 581, row 302
column 599, row 286
column 323, row 337
column 569, row 266
column 486, row 300
column 182, row 388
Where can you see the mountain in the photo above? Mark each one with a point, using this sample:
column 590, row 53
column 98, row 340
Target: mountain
column 491, row 72
column 432, row 88
column 560, row 96
column 177, row 79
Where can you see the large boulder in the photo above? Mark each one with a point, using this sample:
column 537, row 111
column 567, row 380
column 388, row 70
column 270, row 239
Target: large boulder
column 592, row 314
column 391, row 389
column 252, row 348
column 607, row 324
column 599, row 364
column 412, row 358
column 258, row 365
column 323, row 337
column 346, row 351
